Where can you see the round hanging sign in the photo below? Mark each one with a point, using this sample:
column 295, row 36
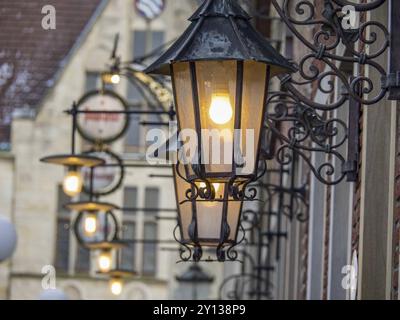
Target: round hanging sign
column 100, row 127
column 150, row 9
column 106, row 179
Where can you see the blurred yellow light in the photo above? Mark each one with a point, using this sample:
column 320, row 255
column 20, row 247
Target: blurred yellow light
column 72, row 184
column 220, row 109
column 104, row 261
column 115, row 78
column 116, row 286
column 109, row 77
column 90, row 224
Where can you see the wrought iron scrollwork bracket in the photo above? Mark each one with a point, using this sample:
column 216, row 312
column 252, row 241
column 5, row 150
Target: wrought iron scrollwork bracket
column 311, row 126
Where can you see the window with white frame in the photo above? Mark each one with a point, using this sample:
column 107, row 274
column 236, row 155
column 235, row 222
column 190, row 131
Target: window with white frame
column 64, row 257
column 128, row 260
column 63, row 232
column 135, row 95
column 150, row 231
column 141, row 254
column 82, row 260
column 93, row 82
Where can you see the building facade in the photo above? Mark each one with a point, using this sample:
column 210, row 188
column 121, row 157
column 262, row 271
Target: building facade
column 311, row 240
column 348, row 247
column 47, row 71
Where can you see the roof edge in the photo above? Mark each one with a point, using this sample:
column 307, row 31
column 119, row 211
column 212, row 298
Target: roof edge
column 65, row 61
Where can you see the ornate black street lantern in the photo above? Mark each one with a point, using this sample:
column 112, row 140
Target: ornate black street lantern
column 198, row 279
column 220, row 69
column 118, row 276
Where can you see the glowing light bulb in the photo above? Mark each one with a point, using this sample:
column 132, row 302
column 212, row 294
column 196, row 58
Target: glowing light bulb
column 72, row 184
column 220, row 109
column 90, row 224
column 116, row 286
column 104, row 261
column 215, row 185
column 115, row 78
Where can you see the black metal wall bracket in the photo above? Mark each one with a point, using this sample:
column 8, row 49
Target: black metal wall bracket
column 391, row 82
column 350, row 167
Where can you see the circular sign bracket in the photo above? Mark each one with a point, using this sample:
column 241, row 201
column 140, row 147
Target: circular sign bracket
column 102, row 127
column 107, row 179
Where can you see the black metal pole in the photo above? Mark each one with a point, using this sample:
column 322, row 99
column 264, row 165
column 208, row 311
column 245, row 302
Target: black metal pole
column 279, row 217
column 292, row 184
column 195, row 290
column 159, row 112
column 259, row 257
column 393, row 77
column 74, row 114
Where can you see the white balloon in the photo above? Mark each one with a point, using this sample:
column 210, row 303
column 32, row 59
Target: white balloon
column 8, row 239
column 53, row 294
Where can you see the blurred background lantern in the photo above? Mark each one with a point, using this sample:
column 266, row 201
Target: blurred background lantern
column 194, row 283
column 8, row 239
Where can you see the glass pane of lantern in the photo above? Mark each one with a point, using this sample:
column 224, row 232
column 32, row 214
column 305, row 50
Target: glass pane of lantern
column 209, row 216
column 216, row 86
column 234, row 209
column 184, row 101
column 252, row 117
column 185, row 209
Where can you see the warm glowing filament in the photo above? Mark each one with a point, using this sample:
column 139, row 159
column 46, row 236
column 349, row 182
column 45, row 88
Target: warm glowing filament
column 116, row 286
column 90, row 224
column 104, row 261
column 72, row 184
column 220, row 109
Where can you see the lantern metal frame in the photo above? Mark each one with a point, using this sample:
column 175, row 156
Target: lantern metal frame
column 236, row 183
column 224, row 247
column 194, row 251
column 242, row 43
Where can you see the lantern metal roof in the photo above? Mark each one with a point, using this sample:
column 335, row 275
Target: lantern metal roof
column 220, row 30
column 195, row 274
